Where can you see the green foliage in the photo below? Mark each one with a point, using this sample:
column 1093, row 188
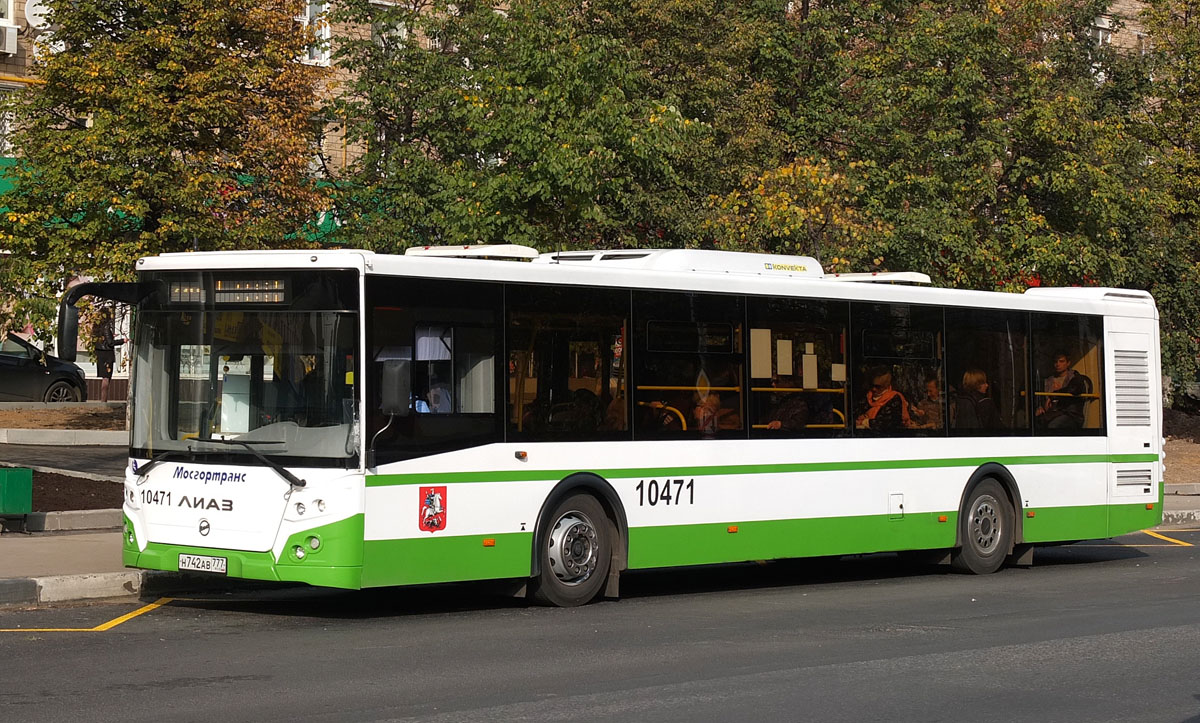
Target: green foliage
column 990, row 144
column 160, row 126
column 980, row 133
column 538, row 124
column 1170, row 266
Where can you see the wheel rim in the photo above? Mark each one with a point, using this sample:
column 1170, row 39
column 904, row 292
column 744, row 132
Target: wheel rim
column 60, row 394
column 573, row 548
column 987, row 525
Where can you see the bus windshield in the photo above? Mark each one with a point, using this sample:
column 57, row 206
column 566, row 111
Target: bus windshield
column 279, row 380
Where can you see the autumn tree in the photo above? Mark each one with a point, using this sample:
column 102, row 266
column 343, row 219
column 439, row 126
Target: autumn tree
column 161, row 126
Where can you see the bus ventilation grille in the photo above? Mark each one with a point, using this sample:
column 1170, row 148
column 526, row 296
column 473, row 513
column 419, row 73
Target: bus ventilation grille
column 1134, row 476
column 1132, row 388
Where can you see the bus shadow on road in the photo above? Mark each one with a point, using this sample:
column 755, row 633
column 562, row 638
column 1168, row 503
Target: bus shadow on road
column 847, row 569
column 469, row 597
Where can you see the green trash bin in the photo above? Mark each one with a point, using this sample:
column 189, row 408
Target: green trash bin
column 16, row 491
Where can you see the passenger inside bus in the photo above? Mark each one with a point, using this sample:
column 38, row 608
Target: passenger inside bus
column 974, row 407
column 1058, row 410
column 927, row 413
column 885, row 408
column 789, row 409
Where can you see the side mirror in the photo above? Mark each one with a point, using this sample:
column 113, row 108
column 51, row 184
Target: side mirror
column 397, row 387
column 68, row 331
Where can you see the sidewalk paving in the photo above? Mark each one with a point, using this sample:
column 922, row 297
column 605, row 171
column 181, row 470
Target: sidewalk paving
column 78, row 557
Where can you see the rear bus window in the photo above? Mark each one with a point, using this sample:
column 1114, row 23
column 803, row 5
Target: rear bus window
column 1068, row 361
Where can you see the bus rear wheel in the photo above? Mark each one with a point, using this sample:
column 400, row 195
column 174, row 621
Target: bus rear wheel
column 985, row 529
column 575, row 553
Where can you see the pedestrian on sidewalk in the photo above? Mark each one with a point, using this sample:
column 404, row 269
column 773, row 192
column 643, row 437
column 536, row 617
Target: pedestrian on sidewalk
column 106, row 349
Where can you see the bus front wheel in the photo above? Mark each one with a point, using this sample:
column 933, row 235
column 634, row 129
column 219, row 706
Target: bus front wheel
column 575, row 553
column 985, row 529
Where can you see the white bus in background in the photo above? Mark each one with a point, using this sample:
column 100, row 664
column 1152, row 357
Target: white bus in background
column 350, row 419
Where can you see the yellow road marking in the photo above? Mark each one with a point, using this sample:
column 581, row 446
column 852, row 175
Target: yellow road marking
column 1117, row 544
column 1181, row 543
column 99, row 628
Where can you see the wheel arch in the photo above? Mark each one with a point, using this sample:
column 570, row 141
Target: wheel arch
column 608, row 499
column 1000, row 473
column 78, row 387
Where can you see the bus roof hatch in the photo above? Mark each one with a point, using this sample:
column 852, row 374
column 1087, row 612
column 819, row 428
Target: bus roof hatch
column 714, row 262
column 476, row 251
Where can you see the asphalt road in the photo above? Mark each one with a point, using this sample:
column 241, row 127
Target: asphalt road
column 1093, row 632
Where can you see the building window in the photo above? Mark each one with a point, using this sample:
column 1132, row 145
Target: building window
column 315, row 17
column 1101, row 31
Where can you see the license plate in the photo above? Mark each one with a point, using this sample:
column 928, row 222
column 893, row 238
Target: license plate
column 202, row 563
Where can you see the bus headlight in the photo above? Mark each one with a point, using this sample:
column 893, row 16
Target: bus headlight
column 299, row 552
column 300, row 508
column 314, row 543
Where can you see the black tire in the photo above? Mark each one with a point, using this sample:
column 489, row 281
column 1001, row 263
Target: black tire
column 985, row 529
column 575, row 553
column 61, row 391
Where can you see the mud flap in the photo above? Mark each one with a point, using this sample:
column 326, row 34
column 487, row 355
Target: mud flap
column 1022, row 556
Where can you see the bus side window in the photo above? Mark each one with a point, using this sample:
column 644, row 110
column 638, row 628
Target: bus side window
column 566, row 370
column 797, row 367
column 897, row 350
column 1068, row 382
column 688, row 375
column 987, row 356
column 453, row 348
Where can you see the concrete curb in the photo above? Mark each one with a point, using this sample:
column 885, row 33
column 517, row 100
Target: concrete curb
column 66, row 588
column 73, row 520
column 66, row 521
column 131, row 583
column 66, row 472
column 61, row 405
column 65, row 437
column 89, row 586
column 1180, row 518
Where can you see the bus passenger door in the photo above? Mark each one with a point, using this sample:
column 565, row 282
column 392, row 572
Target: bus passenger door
column 1134, row 408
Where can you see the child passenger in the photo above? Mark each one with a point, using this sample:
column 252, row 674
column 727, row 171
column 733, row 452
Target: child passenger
column 928, row 411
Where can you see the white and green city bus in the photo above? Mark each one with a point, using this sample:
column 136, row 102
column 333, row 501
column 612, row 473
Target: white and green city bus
column 352, row 420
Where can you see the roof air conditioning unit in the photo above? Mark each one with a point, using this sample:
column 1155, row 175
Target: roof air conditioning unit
column 8, row 39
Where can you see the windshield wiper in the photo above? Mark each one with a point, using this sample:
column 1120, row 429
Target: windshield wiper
column 158, row 459
column 282, row 471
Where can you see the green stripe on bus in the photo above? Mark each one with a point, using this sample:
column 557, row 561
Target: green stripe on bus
column 387, row 480
column 437, row 558
column 675, row 545
column 432, row 559
column 446, row 559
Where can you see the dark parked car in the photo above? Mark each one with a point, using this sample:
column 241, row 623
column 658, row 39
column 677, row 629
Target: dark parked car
column 29, row 375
